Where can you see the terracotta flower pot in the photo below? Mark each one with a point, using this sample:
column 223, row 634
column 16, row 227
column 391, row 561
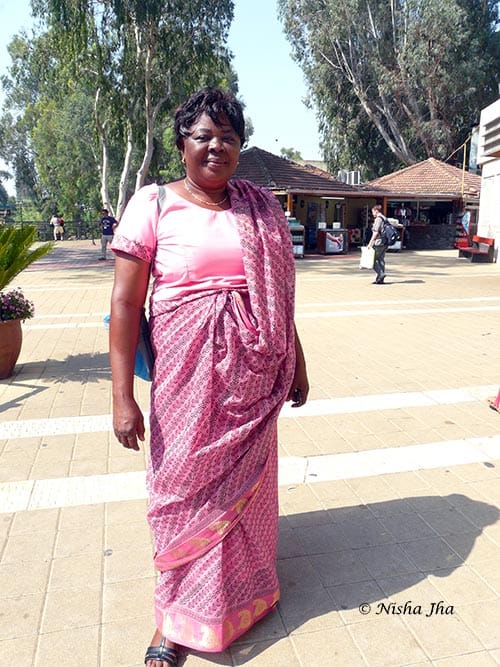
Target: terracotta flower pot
column 11, row 338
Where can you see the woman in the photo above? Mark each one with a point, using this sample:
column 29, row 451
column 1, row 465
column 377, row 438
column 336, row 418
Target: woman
column 226, row 358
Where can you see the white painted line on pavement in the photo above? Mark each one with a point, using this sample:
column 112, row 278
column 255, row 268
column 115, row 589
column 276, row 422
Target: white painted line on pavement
column 74, row 491
column 30, row 428
column 64, row 325
column 399, row 302
column 402, row 459
column 298, row 315
column 61, row 315
column 408, row 276
column 393, row 401
column 70, row 491
column 320, row 304
column 15, row 496
column 70, row 288
column 395, row 311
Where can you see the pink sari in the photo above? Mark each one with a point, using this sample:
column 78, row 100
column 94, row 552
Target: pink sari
column 222, row 374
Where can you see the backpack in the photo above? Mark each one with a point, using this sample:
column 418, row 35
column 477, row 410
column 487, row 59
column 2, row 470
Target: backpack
column 388, row 233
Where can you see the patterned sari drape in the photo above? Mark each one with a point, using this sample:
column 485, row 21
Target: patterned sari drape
column 224, row 365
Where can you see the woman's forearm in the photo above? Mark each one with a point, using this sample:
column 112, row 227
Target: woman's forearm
column 299, row 389
column 123, row 337
column 300, row 361
column 127, row 299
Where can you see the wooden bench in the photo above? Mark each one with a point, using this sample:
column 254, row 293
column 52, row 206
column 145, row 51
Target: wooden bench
column 481, row 250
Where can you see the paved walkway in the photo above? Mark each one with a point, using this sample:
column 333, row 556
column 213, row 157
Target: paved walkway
column 389, row 490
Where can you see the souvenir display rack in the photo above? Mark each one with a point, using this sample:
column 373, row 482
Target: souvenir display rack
column 298, row 237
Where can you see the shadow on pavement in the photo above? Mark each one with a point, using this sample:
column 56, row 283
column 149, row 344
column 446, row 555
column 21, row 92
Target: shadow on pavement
column 403, row 282
column 363, row 560
column 81, row 368
column 31, row 391
column 363, row 552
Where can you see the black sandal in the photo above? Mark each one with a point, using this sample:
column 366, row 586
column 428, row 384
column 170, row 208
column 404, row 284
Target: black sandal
column 162, row 653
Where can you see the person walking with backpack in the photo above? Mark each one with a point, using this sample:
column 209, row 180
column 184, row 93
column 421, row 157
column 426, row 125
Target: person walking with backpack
column 384, row 234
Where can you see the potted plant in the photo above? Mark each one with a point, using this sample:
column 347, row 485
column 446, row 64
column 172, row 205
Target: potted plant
column 16, row 253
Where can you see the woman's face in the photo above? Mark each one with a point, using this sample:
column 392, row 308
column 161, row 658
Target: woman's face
column 211, row 152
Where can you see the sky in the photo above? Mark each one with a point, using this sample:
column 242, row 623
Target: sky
column 271, row 84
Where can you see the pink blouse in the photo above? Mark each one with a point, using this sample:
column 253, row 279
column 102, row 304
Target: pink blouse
column 192, row 248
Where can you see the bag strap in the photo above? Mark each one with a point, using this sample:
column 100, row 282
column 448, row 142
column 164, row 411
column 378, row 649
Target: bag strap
column 162, row 198
column 382, row 224
column 160, row 205
column 161, row 201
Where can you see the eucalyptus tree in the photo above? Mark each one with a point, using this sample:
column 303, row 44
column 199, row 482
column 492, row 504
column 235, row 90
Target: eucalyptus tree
column 415, row 71
column 46, row 131
column 143, row 56
column 4, row 197
column 66, row 158
column 21, row 90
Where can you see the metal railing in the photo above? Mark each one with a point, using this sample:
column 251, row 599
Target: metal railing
column 74, row 230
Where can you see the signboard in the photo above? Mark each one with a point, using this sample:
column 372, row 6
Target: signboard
column 334, row 242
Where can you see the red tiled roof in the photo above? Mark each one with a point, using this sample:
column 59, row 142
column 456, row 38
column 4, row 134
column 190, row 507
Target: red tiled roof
column 430, row 177
column 278, row 173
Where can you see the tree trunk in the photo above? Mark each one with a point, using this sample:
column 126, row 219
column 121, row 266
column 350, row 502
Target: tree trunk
column 104, row 178
column 104, row 166
column 148, row 111
column 399, row 149
column 151, row 116
column 122, row 189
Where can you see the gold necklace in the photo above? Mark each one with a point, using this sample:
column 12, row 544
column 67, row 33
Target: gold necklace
column 203, row 201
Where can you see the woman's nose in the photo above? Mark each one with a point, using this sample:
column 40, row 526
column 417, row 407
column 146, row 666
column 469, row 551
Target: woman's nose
column 216, row 143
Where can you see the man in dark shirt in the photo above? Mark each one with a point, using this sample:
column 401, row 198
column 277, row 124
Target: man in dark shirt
column 108, row 225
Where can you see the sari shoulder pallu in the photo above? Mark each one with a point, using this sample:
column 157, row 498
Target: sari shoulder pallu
column 224, row 369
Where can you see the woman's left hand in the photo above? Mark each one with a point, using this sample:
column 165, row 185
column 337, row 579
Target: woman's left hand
column 300, row 385
column 299, row 389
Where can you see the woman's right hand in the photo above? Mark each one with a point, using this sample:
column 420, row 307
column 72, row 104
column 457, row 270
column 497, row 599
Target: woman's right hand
column 128, row 423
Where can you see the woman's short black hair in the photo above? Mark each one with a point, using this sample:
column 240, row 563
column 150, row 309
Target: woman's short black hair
column 215, row 102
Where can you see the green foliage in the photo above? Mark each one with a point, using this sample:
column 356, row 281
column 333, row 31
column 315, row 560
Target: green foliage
column 3, row 196
column 291, row 154
column 90, row 94
column 249, row 130
column 394, row 82
column 16, row 252
column 66, row 161
column 172, row 165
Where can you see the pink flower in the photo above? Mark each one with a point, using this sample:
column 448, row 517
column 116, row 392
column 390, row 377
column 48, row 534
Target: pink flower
column 15, row 306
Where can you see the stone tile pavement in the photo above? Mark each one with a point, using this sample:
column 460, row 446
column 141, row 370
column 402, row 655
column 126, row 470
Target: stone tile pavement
column 389, row 477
